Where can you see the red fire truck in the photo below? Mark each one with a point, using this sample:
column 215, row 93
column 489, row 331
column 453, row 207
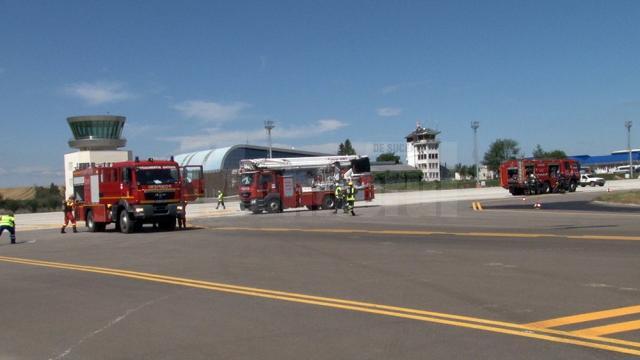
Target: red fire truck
column 277, row 184
column 132, row 193
column 549, row 175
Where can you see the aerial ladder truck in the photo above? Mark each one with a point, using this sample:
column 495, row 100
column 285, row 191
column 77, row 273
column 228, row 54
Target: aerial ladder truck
column 273, row 185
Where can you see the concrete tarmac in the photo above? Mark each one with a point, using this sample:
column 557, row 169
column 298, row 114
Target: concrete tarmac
column 436, row 281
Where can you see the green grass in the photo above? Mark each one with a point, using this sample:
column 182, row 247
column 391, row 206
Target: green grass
column 623, row 197
column 432, row 185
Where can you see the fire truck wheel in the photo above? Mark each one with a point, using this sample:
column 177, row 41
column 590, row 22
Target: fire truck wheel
column 91, row 225
column 328, row 202
column 545, row 188
column 126, row 224
column 573, row 186
column 273, row 205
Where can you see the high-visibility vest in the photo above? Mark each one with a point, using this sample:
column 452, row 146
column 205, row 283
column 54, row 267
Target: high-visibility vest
column 338, row 192
column 351, row 194
column 68, row 205
column 7, row 220
column 220, row 196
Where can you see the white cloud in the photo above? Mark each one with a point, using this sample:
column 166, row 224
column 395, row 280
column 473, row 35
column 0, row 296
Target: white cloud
column 400, row 86
column 98, row 93
column 209, row 110
column 391, row 88
column 41, row 170
column 362, row 148
column 389, row 112
column 216, row 137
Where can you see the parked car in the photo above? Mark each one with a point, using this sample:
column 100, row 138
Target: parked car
column 588, row 179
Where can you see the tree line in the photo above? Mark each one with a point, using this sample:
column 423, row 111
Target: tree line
column 45, row 199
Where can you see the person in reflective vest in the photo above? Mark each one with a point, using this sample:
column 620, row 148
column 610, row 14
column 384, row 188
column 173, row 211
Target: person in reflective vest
column 220, row 200
column 351, row 199
column 69, row 207
column 182, row 215
column 338, row 195
column 8, row 222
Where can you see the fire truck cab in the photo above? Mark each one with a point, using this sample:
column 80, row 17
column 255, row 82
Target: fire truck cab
column 273, row 185
column 132, row 193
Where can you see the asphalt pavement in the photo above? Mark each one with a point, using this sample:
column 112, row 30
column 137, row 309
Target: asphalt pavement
column 418, row 281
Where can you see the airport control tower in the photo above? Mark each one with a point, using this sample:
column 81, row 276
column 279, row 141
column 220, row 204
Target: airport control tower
column 97, row 139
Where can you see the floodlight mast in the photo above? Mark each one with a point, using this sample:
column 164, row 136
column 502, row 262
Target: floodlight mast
column 628, row 125
column 475, row 125
column 269, row 125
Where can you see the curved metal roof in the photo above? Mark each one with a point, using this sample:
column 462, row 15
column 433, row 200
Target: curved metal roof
column 211, row 160
column 214, row 159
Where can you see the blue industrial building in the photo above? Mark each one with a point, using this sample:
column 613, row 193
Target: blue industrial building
column 608, row 163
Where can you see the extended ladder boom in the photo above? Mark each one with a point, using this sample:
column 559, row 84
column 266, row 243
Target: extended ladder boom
column 298, row 163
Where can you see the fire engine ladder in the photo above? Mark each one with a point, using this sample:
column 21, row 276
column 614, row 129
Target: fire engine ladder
column 298, row 163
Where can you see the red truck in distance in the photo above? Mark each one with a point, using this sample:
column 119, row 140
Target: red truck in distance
column 132, row 193
column 273, row 185
column 550, row 175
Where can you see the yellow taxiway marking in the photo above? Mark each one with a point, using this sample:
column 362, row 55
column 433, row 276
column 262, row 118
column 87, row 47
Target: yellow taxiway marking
column 615, row 345
column 580, row 318
column 609, row 329
column 477, row 206
column 428, row 233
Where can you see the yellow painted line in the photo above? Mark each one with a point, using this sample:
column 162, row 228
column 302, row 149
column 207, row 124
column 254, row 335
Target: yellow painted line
column 567, row 212
column 609, row 329
column 621, row 346
column 580, row 318
column 480, row 206
column 427, row 233
column 473, row 205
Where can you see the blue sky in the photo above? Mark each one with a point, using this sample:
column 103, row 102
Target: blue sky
column 196, row 74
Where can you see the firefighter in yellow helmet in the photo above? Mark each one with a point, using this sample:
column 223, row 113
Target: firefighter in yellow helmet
column 351, row 198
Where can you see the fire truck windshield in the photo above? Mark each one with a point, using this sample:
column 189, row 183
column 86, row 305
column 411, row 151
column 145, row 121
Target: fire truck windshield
column 247, row 179
column 156, row 175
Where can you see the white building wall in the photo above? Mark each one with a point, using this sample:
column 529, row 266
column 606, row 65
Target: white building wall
column 74, row 159
column 425, row 156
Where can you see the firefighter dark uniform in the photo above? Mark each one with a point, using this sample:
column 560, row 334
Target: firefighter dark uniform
column 69, row 208
column 351, row 198
column 8, row 222
column 220, row 200
column 338, row 195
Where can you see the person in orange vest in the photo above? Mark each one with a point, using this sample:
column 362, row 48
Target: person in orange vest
column 69, row 207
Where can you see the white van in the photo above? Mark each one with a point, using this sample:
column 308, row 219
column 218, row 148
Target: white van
column 624, row 169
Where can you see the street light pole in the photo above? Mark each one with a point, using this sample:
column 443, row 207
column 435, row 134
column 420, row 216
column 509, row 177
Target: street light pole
column 269, row 125
column 628, row 125
column 475, row 125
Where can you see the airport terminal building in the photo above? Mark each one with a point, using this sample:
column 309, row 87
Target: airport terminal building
column 608, row 164
column 220, row 165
